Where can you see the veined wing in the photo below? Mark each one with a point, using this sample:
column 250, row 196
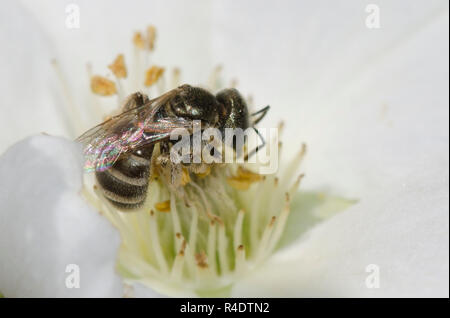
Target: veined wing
column 134, row 128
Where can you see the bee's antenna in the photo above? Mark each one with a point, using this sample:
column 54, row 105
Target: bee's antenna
column 263, row 112
column 254, row 151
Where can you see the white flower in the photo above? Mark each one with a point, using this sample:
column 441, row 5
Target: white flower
column 377, row 130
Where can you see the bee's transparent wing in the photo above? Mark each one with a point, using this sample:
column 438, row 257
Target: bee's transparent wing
column 104, row 143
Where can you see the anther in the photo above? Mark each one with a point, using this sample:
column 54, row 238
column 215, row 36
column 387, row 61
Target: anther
column 102, row 86
column 118, row 67
column 138, row 40
column 163, row 206
column 152, row 75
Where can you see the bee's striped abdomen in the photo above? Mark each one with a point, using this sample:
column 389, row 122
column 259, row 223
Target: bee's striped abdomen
column 125, row 183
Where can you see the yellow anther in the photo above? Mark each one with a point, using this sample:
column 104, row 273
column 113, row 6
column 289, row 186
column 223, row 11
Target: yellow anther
column 204, row 174
column 249, row 175
column 118, row 67
column 151, row 37
column 102, row 86
column 138, row 40
column 153, row 74
column 163, row 206
column 185, row 177
column 244, row 179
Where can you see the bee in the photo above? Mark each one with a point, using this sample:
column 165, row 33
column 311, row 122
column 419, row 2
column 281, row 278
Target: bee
column 120, row 150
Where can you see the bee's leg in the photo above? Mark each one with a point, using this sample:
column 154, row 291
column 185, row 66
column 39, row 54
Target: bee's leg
column 262, row 113
column 164, row 146
column 172, row 173
column 258, row 148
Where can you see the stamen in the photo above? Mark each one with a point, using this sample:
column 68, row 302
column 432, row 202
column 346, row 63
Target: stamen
column 175, row 82
column 151, row 37
column 188, row 254
column 161, row 85
column 138, row 40
column 138, row 76
column 102, row 86
column 185, row 178
column 279, row 227
column 203, row 271
column 223, row 259
column 177, row 268
column 265, row 239
column 204, row 200
column 213, row 82
column 76, row 122
column 152, row 75
column 163, row 206
column 237, row 234
column 193, row 233
column 240, row 260
column 201, row 260
column 94, row 99
column 156, row 244
column 175, row 220
column 280, row 128
column 250, row 102
column 118, row 67
column 296, row 184
column 212, row 245
column 244, row 179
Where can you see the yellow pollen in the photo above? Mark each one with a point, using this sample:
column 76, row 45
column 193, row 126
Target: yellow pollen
column 202, row 175
column 102, row 86
column 118, row 67
column 151, row 37
column 185, row 177
column 244, row 179
column 153, row 74
column 163, row 206
column 138, row 40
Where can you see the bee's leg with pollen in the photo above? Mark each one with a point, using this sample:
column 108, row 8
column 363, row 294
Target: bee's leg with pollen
column 173, row 174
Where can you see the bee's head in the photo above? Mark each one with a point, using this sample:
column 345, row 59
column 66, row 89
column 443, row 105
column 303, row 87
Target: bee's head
column 236, row 111
column 234, row 116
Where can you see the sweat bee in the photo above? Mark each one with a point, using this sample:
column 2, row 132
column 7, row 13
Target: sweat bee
column 120, row 149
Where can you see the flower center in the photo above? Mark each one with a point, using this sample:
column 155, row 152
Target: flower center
column 226, row 222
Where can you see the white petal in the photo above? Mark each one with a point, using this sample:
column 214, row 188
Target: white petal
column 311, row 60
column 405, row 234
column 45, row 225
column 182, row 40
column 183, row 37
column 379, row 135
column 29, row 100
